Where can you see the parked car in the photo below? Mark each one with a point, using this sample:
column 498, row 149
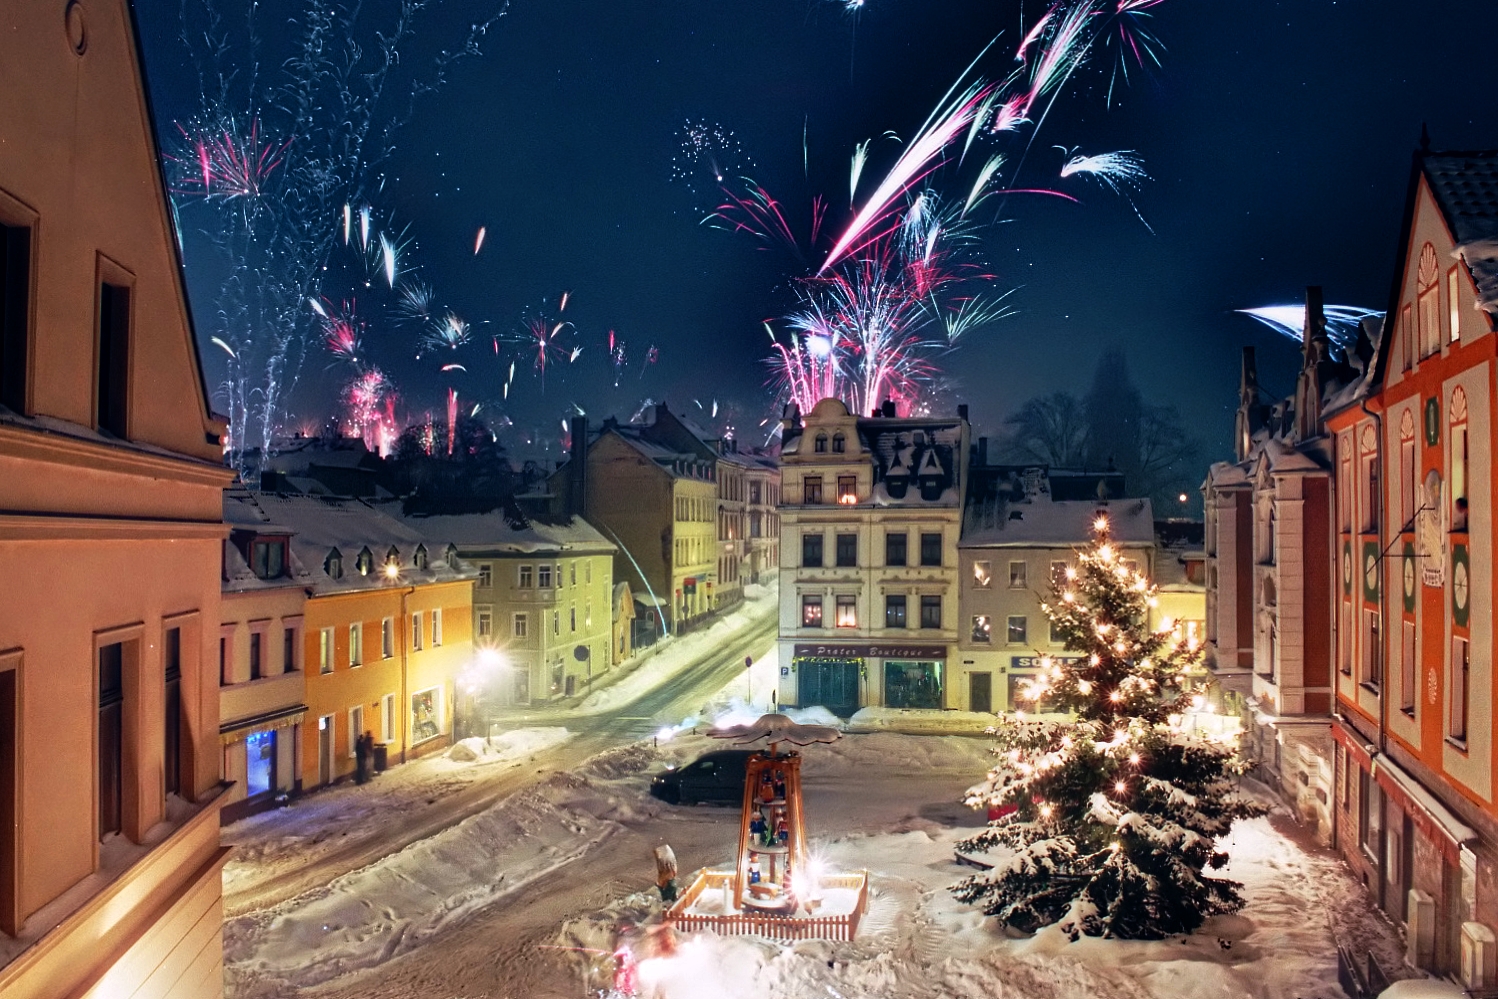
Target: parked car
column 716, row 777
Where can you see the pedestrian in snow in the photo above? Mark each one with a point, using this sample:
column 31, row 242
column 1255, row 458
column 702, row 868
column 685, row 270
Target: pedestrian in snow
column 361, row 757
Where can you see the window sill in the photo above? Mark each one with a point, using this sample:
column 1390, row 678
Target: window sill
column 1408, row 711
column 1460, row 745
column 1372, row 688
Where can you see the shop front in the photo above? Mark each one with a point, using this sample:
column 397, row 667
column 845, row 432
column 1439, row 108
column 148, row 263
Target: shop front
column 844, row 677
column 259, row 760
column 1022, row 672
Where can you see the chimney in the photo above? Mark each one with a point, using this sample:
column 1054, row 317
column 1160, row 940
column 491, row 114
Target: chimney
column 577, row 473
column 983, row 451
column 1315, row 324
column 888, row 409
column 962, row 411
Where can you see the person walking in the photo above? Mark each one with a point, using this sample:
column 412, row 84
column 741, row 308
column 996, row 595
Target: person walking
column 361, row 757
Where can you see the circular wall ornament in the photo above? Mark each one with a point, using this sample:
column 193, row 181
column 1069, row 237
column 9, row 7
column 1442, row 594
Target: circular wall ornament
column 1409, row 578
column 1346, row 567
column 77, row 30
column 1461, row 585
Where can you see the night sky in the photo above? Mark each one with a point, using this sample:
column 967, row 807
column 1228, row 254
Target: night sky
column 1278, row 137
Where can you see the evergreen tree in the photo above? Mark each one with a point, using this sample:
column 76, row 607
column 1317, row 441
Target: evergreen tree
column 1112, row 814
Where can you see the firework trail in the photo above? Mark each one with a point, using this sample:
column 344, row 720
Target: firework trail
column 415, row 305
column 1342, row 321
column 1132, row 38
column 1120, row 172
column 223, row 163
column 708, row 154
column 478, row 241
column 449, row 332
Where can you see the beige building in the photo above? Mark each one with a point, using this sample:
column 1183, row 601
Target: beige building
column 732, row 474
column 262, row 688
column 762, row 518
column 543, row 598
column 110, row 537
column 870, row 517
column 1016, row 539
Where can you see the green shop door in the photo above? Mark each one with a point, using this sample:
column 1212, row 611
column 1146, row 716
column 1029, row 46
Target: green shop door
column 832, row 683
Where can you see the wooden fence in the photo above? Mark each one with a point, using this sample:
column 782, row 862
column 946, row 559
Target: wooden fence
column 839, row 927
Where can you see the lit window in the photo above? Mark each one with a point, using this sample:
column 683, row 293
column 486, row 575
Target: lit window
column 811, row 612
column 847, row 612
column 847, row 490
column 1017, row 629
column 484, row 619
column 519, row 628
column 982, row 628
column 1453, row 298
column 387, row 637
column 325, row 651
column 894, row 610
column 416, row 636
column 486, row 574
column 982, row 574
column 1018, row 575
column 355, row 644
column 436, row 627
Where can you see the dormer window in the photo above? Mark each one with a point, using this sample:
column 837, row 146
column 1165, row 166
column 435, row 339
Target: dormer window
column 839, row 444
column 268, row 558
column 452, row 557
column 393, row 558
column 333, row 564
column 420, row 558
column 820, row 447
column 364, row 562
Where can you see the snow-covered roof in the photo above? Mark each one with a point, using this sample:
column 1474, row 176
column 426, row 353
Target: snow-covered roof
column 323, row 524
column 510, row 532
column 1465, row 186
column 243, row 512
column 1046, row 523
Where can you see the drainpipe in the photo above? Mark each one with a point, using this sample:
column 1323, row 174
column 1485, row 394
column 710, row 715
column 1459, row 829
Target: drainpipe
column 404, row 707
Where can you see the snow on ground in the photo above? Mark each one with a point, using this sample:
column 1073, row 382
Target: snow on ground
column 314, row 825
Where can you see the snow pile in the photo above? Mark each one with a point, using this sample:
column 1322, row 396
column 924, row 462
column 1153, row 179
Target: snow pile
column 503, row 746
column 920, row 720
column 1423, row 988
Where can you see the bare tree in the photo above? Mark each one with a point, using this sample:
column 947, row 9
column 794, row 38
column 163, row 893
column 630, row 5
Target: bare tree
column 1049, row 429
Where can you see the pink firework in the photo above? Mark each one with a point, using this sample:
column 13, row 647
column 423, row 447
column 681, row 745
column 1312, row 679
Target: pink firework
column 369, row 408
column 225, row 163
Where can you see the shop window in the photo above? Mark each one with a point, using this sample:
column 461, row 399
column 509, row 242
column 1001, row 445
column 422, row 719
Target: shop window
column 847, row 611
column 847, row 550
column 930, row 549
column 912, row 684
column 260, row 763
column 931, row 612
column 982, row 629
column 1016, row 629
column 894, row 549
column 426, row 715
column 811, row 611
column 894, row 610
column 811, row 551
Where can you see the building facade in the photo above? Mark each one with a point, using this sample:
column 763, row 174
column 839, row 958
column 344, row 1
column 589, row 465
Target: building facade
column 733, row 546
column 1016, row 540
column 386, row 632
column 871, row 512
column 110, row 538
column 1414, row 728
column 543, row 599
column 762, row 517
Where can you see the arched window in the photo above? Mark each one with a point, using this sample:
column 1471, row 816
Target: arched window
column 420, row 558
column 1458, row 462
column 393, row 557
column 839, row 444
column 821, row 444
column 1408, row 475
column 333, row 564
column 364, row 562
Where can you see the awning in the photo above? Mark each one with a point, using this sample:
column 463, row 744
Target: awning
column 242, row 728
column 1434, row 819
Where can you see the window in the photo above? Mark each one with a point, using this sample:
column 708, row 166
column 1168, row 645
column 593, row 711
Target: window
column 355, row 729
column 894, row 549
column 820, row 447
column 416, row 635
column 543, row 577
column 393, row 560
column 811, row 488
column 1407, row 669
column 754, row 493
column 982, row 628
column 588, row 614
column 436, row 627
column 1406, row 340
column 811, row 551
column 1460, row 686
column 1407, row 473
column 572, row 618
column 1055, row 634
column 1371, row 495
column 223, row 661
column 1429, row 304
column 524, row 579
column 983, row 574
column 15, row 315
column 364, row 562
column 1370, row 813
column 1018, row 575
column 811, row 611
column 288, row 649
column 255, row 644
column 1453, row 300
column 519, row 628
column 419, row 558
column 1344, row 637
column 847, row 490
column 1017, row 629
column 894, row 610
column 111, row 738
column 556, row 622
column 931, row 612
column 847, row 611
column 1372, row 651
column 572, row 574
column 1459, row 459
column 112, row 404
column 847, row 550
column 387, row 637
column 839, row 444
column 588, row 572
column 1058, row 573
column 325, row 651
column 172, row 729
column 387, row 718
column 333, row 565
column 484, row 621
column 355, row 644
column 930, row 549
column 486, row 574
column 268, row 559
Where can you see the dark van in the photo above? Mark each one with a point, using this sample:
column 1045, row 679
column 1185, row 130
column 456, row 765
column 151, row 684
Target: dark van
column 713, row 777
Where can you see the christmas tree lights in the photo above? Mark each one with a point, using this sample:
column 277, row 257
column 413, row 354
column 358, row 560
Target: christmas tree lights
column 1112, row 813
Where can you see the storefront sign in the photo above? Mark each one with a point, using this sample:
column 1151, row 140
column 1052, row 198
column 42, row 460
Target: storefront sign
column 880, row 651
column 1033, row 662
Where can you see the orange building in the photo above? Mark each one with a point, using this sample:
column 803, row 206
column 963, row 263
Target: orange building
column 111, row 528
column 387, row 630
column 1416, row 812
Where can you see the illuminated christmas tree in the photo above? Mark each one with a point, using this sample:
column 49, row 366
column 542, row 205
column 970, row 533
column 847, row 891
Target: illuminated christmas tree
column 1112, row 814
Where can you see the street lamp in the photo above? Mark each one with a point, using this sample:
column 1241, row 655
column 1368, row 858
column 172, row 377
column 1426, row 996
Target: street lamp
column 480, row 675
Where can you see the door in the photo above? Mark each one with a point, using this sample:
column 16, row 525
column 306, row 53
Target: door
column 980, row 692
column 832, row 683
column 325, row 749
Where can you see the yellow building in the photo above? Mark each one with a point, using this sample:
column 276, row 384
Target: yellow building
column 110, row 537
column 543, row 598
column 387, row 630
